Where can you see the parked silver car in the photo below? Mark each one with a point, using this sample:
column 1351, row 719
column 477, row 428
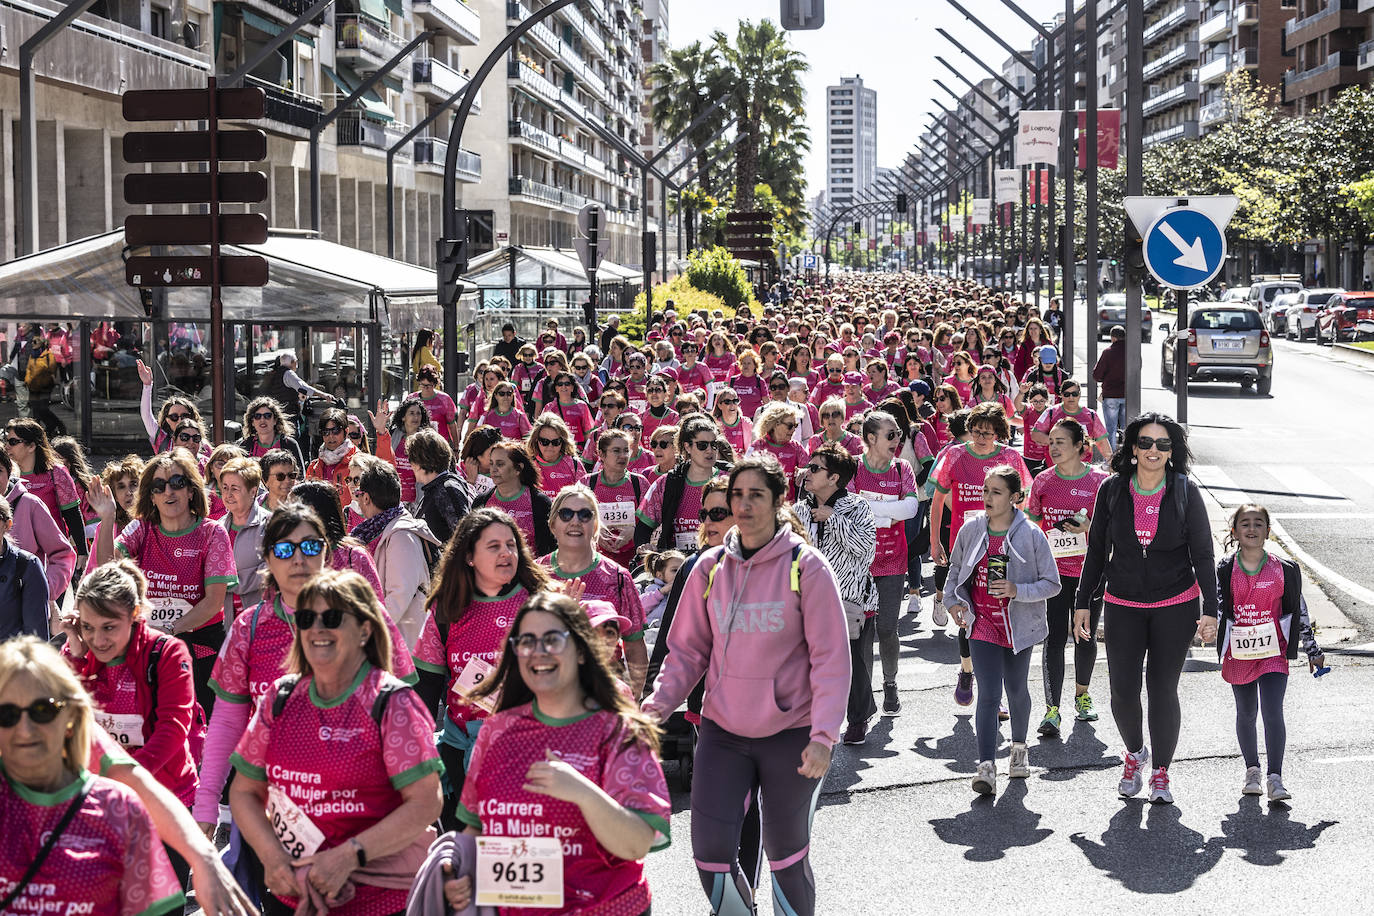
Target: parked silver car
column 1111, row 311
column 1227, row 342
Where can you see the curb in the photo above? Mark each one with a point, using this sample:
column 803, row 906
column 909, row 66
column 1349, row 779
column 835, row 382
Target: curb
column 1347, row 353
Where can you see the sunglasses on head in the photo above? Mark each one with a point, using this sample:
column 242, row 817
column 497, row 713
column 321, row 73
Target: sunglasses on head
column 279, row 476
column 550, row 442
column 176, row 482
column 330, row 618
column 309, row 547
column 263, row 415
column 715, row 514
column 41, row 712
column 582, row 515
column 1163, row 444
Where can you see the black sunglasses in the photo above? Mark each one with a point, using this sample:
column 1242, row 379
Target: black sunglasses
column 279, row 476
column 661, row 443
column 715, row 514
column 553, row 441
column 175, row 418
column 631, row 427
column 777, row 387
column 264, row 415
column 188, row 437
column 582, row 515
column 176, row 482
column 331, row 618
column 12, row 441
column 728, row 401
column 310, row 547
column 330, row 430
column 704, row 444
column 356, row 437
column 41, row 712
column 1145, row 442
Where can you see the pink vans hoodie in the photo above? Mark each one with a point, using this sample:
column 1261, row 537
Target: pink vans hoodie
column 773, row 659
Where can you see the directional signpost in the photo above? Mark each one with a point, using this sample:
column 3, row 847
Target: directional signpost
column 1185, row 248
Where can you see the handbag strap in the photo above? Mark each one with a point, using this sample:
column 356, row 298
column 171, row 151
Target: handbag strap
column 48, row 844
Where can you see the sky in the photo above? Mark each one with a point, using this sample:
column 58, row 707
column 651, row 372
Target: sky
column 890, row 43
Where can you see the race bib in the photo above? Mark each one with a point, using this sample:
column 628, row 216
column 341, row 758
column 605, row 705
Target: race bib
column 520, row 872
column 166, row 612
column 295, row 831
column 638, row 405
column 617, row 515
column 475, row 672
column 126, row 728
column 1066, row 545
column 685, row 540
column 1254, row 642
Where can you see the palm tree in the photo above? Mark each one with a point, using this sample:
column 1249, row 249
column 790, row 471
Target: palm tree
column 761, row 75
column 685, row 84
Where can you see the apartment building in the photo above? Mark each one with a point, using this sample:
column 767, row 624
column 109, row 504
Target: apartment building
column 133, row 44
column 1327, row 41
column 568, row 81
column 851, row 139
column 653, row 46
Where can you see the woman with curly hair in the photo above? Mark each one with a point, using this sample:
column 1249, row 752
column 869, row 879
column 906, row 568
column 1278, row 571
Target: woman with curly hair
column 268, row 428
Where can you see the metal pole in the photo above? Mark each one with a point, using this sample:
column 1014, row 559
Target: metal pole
column 391, row 163
column 1090, row 205
column 1069, row 158
column 216, row 304
column 1135, row 62
column 663, row 225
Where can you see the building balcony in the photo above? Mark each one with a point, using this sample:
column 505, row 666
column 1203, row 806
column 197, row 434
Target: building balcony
column 1249, row 14
column 1340, row 69
column 437, row 81
column 1213, row 112
column 1182, row 15
column 1188, row 130
column 1179, row 95
column 353, row 130
column 540, row 33
column 1185, row 53
column 293, row 7
column 1215, row 27
column 536, row 84
column 364, row 44
column 1366, row 53
column 1214, row 70
column 455, row 17
column 431, row 155
column 531, row 191
column 1245, row 59
column 1333, row 15
column 288, row 106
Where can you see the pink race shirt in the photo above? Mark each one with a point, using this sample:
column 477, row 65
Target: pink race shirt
column 518, row 507
column 1054, row 498
column 55, row 488
column 694, row 378
column 721, row 366
column 735, row 435
column 179, row 564
column 442, row 412
column 961, row 474
column 849, row 442
column 479, row 632
column 577, row 415
column 990, row 614
column 1092, row 423
column 556, row 476
column 342, row 769
column 107, row 862
column 595, row 882
column 606, row 580
column 512, row 425
column 825, row 391
column 1258, row 600
column 752, row 391
column 688, row 519
column 617, row 505
column 652, row 420
column 356, row 558
column 898, row 481
column 1147, row 506
column 1030, row 449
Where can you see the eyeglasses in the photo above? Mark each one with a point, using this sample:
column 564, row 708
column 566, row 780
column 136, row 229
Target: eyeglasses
column 175, row 418
column 176, row 482
column 188, row 437
column 279, row 476
column 893, row 434
column 310, row 547
column 661, row 443
column 1071, row 394
column 1144, row 443
column 264, row 415
column 728, row 401
column 552, row 643
column 777, row 387
column 983, row 433
column 816, row 469
column 549, row 442
column 832, row 415
column 790, row 424
column 331, row 430
column 715, row 514
column 703, row 445
column 632, row 427
column 835, row 371
column 41, row 712
column 582, row 515
column 330, row 618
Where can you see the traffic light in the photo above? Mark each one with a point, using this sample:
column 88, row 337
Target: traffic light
column 799, row 15
column 901, row 203
column 1134, row 253
column 451, row 262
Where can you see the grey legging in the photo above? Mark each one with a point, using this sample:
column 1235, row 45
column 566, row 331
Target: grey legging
column 1262, row 695
column 998, row 668
column 891, row 593
column 728, row 767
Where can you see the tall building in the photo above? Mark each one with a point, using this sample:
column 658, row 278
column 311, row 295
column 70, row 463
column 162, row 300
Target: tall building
column 1325, row 38
column 653, row 46
column 851, row 139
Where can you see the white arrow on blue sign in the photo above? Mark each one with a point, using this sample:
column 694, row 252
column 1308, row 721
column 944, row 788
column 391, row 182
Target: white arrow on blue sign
column 1184, row 248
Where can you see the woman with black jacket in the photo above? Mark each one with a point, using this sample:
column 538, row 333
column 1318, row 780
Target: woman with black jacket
column 1151, row 542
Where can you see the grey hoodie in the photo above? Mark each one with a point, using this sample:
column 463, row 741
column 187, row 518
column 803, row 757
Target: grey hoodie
column 1030, row 567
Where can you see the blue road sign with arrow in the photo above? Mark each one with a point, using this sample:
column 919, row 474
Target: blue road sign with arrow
column 1185, row 247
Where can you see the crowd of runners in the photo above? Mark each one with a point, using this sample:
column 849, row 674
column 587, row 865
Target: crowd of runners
column 486, row 613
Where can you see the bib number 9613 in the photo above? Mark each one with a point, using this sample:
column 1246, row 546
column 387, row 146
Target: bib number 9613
column 520, row 872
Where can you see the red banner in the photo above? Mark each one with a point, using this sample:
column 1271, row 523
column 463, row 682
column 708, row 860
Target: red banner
column 849, row 245
column 897, row 240
column 1108, row 138
column 872, row 244
column 1038, row 187
column 921, row 238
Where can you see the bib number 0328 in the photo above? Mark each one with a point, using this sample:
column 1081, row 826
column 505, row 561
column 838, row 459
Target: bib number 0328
column 520, row 872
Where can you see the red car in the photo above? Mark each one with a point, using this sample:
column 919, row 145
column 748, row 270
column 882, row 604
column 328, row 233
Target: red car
column 1347, row 316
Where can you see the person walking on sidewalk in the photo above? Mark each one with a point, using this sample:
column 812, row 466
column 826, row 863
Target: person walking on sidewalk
column 1110, row 373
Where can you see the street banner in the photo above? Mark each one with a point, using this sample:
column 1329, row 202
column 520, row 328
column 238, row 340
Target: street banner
column 872, row 244
column 897, row 240
column 1037, row 136
column 980, row 213
column 1038, row 187
column 933, row 231
column 1008, row 185
column 1108, row 138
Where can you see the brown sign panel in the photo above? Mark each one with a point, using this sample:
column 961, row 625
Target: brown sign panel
column 191, row 104
column 234, row 229
column 195, row 271
column 193, row 187
column 190, row 146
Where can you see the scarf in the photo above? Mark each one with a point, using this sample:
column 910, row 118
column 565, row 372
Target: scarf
column 332, row 457
column 369, row 529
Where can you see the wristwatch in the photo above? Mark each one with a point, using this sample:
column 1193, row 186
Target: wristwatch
column 358, row 847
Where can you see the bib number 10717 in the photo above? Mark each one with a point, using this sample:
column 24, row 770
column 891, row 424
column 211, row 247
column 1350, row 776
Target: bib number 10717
column 520, row 872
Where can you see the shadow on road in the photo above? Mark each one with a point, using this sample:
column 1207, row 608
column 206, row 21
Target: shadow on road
column 1263, row 835
column 989, row 828
column 849, row 762
column 959, row 748
column 1065, row 759
column 1150, row 851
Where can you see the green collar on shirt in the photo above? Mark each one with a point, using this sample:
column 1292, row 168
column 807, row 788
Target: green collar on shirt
column 619, row 483
column 48, row 799
column 1139, row 492
column 319, row 703
column 496, row 494
column 996, row 449
column 280, row 610
column 119, row 660
column 998, row 534
column 558, row 571
column 556, row 723
column 477, row 596
column 1063, row 476
column 1252, row 572
column 195, row 523
column 873, row 469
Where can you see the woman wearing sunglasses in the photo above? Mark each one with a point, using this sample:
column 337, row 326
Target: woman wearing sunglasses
column 46, row 477
column 186, row 557
column 961, row 375
column 409, row 417
column 516, row 492
column 1151, row 545
column 173, row 410
column 663, row 448
column 46, row 729
column 295, row 547
column 484, row 576
column 576, row 525
column 443, row 413
column 720, row 359
column 736, row 430
column 947, row 401
column 340, row 749
column 832, row 417
column 583, row 369
column 336, row 451
column 751, row 387
column 555, row 455
column 775, row 433
column 618, row 491
column 670, row 507
column 503, row 413
column 268, row 428
column 556, row 698
column 357, row 434
column 658, row 413
column 279, row 474
column 568, row 406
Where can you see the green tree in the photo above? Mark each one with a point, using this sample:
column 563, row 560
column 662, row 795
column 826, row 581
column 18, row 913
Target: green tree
column 687, row 83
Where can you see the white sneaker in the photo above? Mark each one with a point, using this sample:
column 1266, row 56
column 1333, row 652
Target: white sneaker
column 1019, row 766
column 939, row 616
column 1252, row 782
column 1159, row 787
column 1274, row 785
column 1133, row 773
column 985, row 783
column 913, row 604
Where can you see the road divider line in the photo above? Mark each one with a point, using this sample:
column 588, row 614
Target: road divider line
column 1219, row 483
column 1365, row 759
column 1333, row 516
column 1304, row 484
column 1326, row 574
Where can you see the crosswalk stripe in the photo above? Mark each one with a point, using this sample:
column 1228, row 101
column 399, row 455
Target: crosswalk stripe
column 1362, row 472
column 1303, row 483
column 1226, row 490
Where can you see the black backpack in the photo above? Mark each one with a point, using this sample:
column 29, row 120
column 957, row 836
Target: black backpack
column 200, row 725
column 287, row 685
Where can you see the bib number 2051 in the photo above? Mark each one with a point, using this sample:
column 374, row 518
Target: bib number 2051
column 520, row 872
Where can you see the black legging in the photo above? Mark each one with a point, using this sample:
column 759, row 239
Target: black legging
column 1157, row 639
column 1263, row 695
column 202, row 666
column 942, row 576
column 1060, row 610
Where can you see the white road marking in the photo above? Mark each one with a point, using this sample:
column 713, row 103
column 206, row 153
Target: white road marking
column 1226, row 490
column 1328, row 575
column 1363, row 472
column 1365, row 759
column 1337, row 516
column 1303, row 483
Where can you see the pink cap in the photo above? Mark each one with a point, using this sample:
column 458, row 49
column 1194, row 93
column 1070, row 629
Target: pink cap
column 854, row 378
column 599, row 612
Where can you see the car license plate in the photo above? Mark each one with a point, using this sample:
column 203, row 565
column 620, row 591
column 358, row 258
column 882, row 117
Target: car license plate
column 1224, row 343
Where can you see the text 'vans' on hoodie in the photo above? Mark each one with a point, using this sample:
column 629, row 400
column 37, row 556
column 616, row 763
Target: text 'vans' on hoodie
column 773, row 658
